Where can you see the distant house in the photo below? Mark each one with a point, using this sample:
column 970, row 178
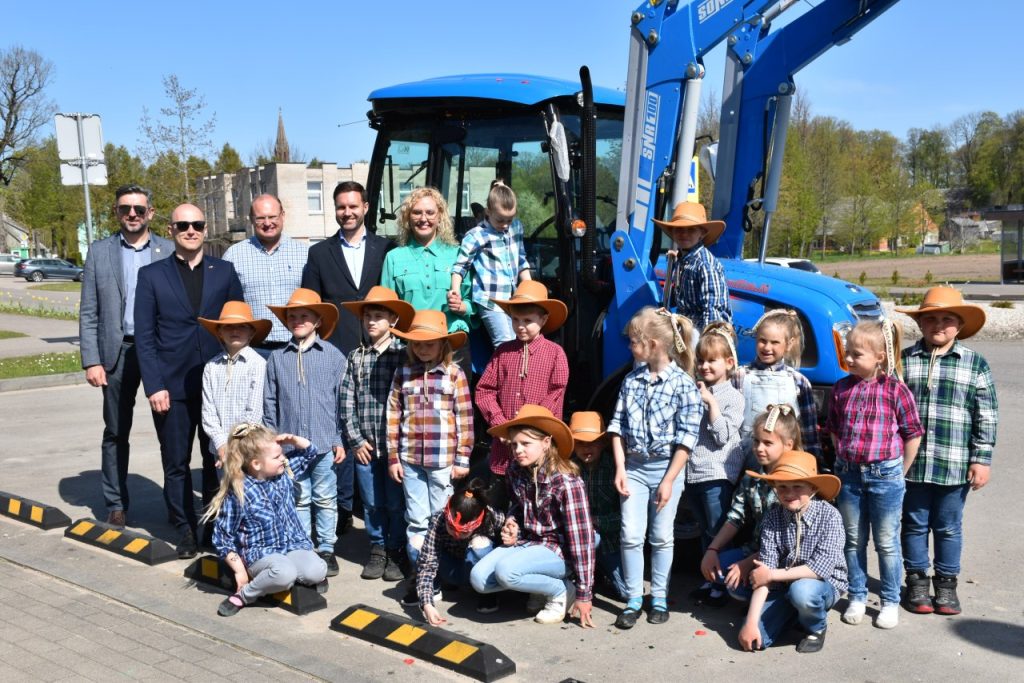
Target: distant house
column 838, row 236
column 13, row 234
column 969, row 228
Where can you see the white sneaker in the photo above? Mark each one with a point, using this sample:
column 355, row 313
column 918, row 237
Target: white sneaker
column 854, row 613
column 556, row 607
column 536, row 602
column 888, row 616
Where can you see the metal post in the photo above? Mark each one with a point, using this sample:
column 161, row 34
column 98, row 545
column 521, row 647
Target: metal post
column 687, row 136
column 773, row 179
column 83, row 164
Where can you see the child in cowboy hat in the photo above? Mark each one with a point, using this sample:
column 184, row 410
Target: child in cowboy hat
column 233, row 380
column 548, row 537
column 699, row 289
column 301, row 396
column 430, row 422
column 956, row 399
column 528, row 369
column 801, row 571
column 364, row 398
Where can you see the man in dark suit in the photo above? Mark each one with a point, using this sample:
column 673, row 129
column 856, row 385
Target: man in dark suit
column 106, row 329
column 343, row 268
column 172, row 350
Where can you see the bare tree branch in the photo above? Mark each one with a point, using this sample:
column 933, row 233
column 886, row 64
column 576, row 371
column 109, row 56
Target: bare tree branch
column 24, row 108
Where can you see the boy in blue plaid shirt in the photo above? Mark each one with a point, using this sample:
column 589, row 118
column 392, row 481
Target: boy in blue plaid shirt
column 364, row 398
column 956, row 400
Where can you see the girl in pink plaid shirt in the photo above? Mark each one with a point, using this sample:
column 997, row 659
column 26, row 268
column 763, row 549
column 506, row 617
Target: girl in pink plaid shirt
column 876, row 430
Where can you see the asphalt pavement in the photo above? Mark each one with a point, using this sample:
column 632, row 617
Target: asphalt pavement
column 69, row 608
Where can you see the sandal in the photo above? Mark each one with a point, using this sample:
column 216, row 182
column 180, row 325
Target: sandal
column 231, row 605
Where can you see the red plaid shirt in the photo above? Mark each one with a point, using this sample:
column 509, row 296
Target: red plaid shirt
column 552, row 511
column 430, row 416
column 872, row 418
column 504, row 388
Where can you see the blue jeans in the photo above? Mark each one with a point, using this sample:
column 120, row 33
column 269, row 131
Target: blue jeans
column 450, row 569
column 639, row 520
column 524, row 568
column 806, row 601
column 426, row 491
column 344, row 473
column 709, row 501
column 610, row 562
column 498, row 325
column 939, row 509
column 383, row 504
column 872, row 500
column 318, row 485
column 726, row 559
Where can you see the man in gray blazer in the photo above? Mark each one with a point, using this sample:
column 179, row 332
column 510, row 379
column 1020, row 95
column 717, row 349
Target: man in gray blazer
column 107, row 331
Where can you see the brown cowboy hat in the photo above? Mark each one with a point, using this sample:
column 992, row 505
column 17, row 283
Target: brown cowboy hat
column 799, row 466
column 430, row 325
column 307, row 298
column 949, row 299
column 535, row 293
column 385, row 298
column 539, row 417
column 693, row 215
column 238, row 313
column 586, row 426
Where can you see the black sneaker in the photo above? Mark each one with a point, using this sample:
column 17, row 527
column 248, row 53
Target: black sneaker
column 918, row 599
column 187, row 547
column 375, row 566
column 627, row 619
column 812, row 642
column 487, row 603
column 946, row 600
column 332, row 562
column 394, row 570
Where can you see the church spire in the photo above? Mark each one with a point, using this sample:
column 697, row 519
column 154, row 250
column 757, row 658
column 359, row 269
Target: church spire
column 281, row 151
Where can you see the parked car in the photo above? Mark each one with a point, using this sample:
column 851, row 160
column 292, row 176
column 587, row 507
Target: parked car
column 7, row 262
column 798, row 263
column 39, row 269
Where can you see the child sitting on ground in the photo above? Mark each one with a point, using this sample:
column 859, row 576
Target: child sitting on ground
column 257, row 532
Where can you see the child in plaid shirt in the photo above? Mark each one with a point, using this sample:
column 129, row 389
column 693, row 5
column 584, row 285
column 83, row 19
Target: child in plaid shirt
column 876, row 431
column 364, row 397
column 956, row 399
column 430, row 422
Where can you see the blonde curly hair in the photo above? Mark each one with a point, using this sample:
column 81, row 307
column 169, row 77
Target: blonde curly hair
column 444, row 231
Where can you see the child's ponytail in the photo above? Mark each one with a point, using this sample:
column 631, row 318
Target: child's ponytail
column 501, row 197
column 244, row 445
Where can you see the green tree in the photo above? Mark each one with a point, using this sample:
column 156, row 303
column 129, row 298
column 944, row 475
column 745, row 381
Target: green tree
column 228, row 160
column 49, row 209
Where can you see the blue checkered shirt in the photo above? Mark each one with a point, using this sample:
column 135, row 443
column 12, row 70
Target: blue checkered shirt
column 822, row 538
column 653, row 416
column 269, row 277
column 497, row 258
column 308, row 407
column 232, row 393
column 699, row 290
column 265, row 522
column 364, row 395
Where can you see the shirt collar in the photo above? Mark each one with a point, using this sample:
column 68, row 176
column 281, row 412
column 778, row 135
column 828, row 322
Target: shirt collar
column 694, row 253
column 125, row 244
column 345, row 243
column 245, row 354
column 293, row 345
column 383, row 344
column 255, row 242
column 759, row 365
column 667, row 372
column 920, row 350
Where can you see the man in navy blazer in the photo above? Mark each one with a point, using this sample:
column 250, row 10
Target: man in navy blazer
column 106, row 329
column 172, row 350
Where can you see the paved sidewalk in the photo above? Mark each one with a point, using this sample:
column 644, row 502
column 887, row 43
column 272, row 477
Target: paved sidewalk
column 44, row 335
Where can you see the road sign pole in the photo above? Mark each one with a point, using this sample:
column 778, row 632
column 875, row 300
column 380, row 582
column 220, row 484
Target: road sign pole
column 84, row 165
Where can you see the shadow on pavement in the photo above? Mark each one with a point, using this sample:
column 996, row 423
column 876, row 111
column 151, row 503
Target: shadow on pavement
column 998, row 636
column 147, row 512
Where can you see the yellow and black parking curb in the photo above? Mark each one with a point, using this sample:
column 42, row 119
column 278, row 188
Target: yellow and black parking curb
column 209, row 569
column 125, row 542
column 435, row 645
column 32, row 512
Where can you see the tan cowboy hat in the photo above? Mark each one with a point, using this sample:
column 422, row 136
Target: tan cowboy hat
column 385, row 298
column 238, row 313
column 534, row 292
column 540, row 418
column 586, row 426
column 693, row 215
column 307, row 298
column 800, row 466
column 949, row 299
column 430, row 325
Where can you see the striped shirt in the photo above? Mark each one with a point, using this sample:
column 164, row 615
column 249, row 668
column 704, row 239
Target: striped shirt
column 496, row 256
column 871, row 419
column 806, row 406
column 718, row 453
column 821, row 542
column 232, row 393
column 430, row 417
column 509, row 382
column 700, row 291
column 751, row 499
column 264, row 523
column 306, row 403
column 269, row 277
column 552, row 511
column 438, row 540
column 959, row 412
column 604, row 499
column 364, row 394
column 655, row 415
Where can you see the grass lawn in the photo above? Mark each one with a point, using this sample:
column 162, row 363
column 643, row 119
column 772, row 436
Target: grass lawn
column 10, row 334
column 43, row 364
column 58, row 287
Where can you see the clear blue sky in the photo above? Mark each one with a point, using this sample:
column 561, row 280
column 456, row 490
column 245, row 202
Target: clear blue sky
column 924, row 62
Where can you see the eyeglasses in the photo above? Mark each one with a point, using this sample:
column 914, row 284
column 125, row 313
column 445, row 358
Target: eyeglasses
column 125, row 210
column 183, row 226
column 263, row 220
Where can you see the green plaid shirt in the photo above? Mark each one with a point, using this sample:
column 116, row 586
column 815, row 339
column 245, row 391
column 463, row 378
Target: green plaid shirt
column 364, row 395
column 750, row 501
column 605, row 511
column 959, row 412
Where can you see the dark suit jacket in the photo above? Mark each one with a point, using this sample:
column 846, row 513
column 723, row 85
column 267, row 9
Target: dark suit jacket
column 171, row 345
column 327, row 274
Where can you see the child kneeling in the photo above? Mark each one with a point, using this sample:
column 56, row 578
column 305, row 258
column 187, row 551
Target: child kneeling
column 257, row 531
